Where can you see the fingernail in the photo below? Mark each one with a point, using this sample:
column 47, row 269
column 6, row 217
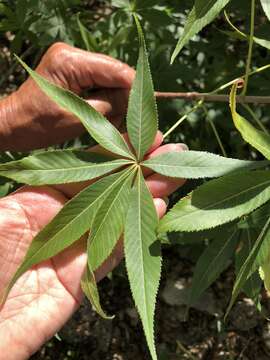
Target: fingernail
column 166, row 199
column 182, row 147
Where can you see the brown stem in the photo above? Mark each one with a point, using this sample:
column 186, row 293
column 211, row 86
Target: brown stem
column 212, row 98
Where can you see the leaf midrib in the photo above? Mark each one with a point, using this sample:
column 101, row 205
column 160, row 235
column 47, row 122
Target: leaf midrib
column 220, row 202
column 84, row 167
column 110, row 207
column 75, row 218
column 141, row 250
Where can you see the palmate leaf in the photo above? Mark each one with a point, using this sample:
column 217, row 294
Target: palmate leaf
column 213, row 261
column 143, row 257
column 67, row 226
column 266, row 7
column 95, row 123
column 142, row 118
column 219, row 201
column 250, row 134
column 248, row 268
column 197, row 164
column 202, row 14
column 89, row 287
column 59, row 167
column 108, row 223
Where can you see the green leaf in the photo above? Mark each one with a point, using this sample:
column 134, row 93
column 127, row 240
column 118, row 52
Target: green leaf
column 143, row 257
column 266, row 7
column 201, row 15
column 250, row 134
column 248, row 267
column 142, row 118
column 59, row 167
column 95, row 123
column 219, row 201
column 197, row 164
column 89, row 287
column 88, row 39
column 67, row 226
column 252, row 286
column 213, row 261
column 108, row 223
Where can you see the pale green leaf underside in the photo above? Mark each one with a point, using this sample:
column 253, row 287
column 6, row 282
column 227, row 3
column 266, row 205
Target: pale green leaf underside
column 219, row 201
column 247, row 268
column 250, row 134
column 266, row 7
column 203, row 12
column 142, row 254
column 142, row 117
column 213, row 261
column 95, row 123
column 108, row 223
column 197, row 164
column 68, row 225
column 89, row 287
column 59, row 167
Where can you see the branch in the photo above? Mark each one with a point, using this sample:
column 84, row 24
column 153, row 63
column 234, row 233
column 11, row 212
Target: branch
column 212, row 98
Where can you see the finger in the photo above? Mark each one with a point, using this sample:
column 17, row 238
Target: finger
column 162, row 150
column 98, row 70
column 162, row 186
column 110, row 102
column 118, row 252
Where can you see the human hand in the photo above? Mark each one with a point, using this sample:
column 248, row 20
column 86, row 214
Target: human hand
column 29, row 119
column 44, row 298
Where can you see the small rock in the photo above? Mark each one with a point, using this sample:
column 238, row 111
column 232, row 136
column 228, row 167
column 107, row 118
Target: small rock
column 244, row 316
column 176, row 293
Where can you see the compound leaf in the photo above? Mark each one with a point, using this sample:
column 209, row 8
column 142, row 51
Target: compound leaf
column 143, row 256
column 67, row 226
column 219, row 201
column 197, row 164
column 250, row 134
column 96, row 124
column 142, row 118
column 108, row 223
column 201, row 15
column 59, row 167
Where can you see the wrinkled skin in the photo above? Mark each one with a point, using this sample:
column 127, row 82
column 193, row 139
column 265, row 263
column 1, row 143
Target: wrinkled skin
column 45, row 297
column 39, row 122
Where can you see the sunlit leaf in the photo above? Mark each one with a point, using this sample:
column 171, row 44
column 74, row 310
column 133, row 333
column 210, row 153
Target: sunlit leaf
column 266, row 7
column 142, row 118
column 250, row 134
column 219, row 201
column 197, row 164
column 96, row 124
column 59, row 167
column 142, row 254
column 201, row 15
